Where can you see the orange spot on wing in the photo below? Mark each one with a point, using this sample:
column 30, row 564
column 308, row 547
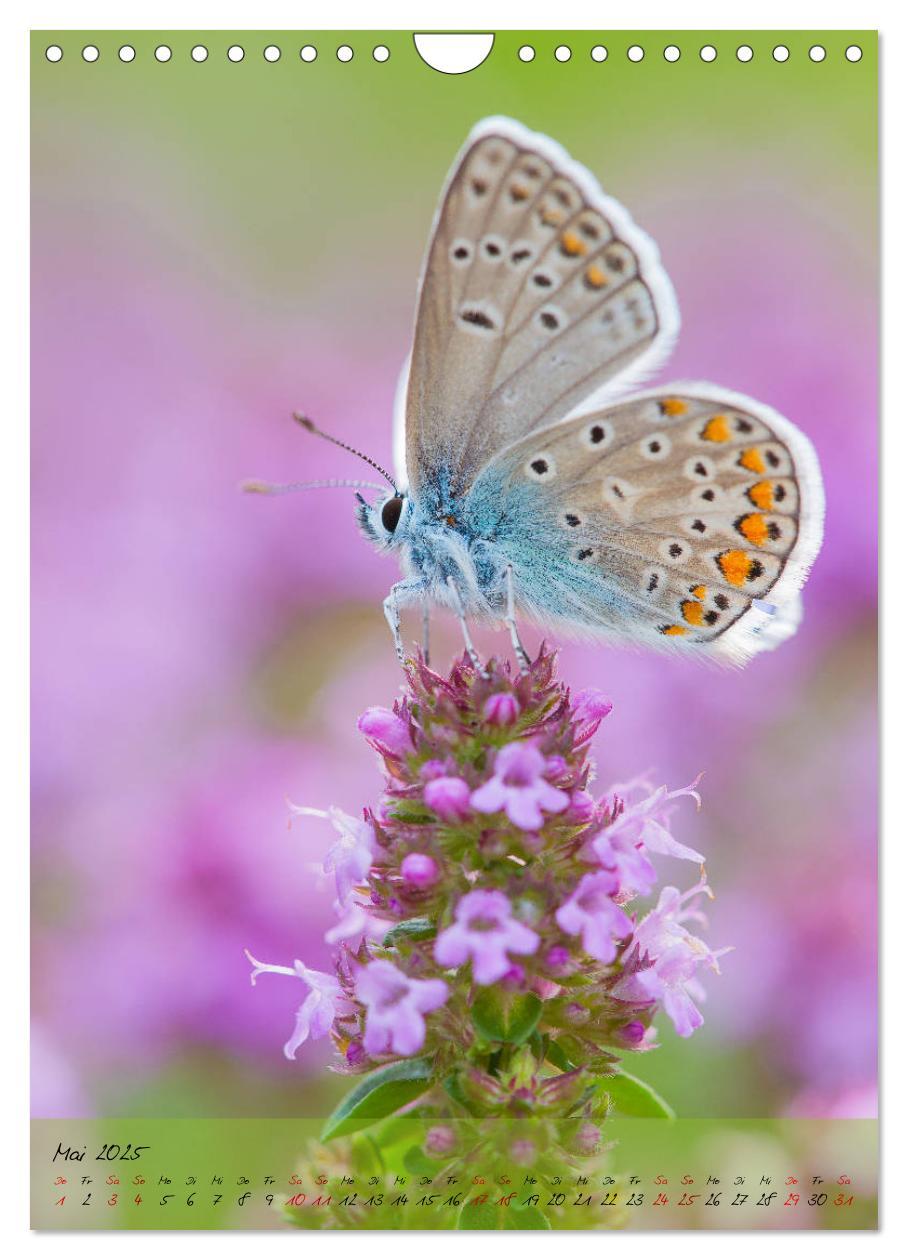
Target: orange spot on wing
column 760, row 495
column 698, row 592
column 672, row 407
column 692, row 611
column 572, row 245
column 716, row 429
column 551, row 218
column 752, row 460
column 674, row 630
column 595, row 276
column 519, row 192
column 754, row 528
column 735, row 566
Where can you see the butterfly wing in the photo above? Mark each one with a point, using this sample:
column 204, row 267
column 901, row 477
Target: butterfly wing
column 536, row 291
column 685, row 517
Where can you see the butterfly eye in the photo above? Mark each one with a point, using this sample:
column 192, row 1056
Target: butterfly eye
column 390, row 513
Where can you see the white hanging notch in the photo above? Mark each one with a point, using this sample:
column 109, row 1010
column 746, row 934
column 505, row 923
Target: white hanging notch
column 453, row 54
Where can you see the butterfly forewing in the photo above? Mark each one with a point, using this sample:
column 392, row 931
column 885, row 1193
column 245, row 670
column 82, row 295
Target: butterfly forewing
column 537, row 290
column 690, row 516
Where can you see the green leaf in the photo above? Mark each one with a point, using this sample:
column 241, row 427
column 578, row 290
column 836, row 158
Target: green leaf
column 502, row 1016
column 633, row 1097
column 378, row 1095
column 411, row 812
column 409, row 930
column 555, row 1054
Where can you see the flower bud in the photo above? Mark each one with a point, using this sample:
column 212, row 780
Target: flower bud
column 501, row 709
column 588, row 1139
column 632, row 1034
column 441, row 1140
column 385, row 731
column 449, row 798
column 419, row 869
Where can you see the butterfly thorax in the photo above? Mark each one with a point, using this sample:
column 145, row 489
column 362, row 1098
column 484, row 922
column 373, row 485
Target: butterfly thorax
column 442, row 534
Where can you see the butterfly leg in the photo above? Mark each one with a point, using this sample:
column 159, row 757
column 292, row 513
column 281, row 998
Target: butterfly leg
column 511, row 622
column 399, row 592
column 465, row 629
column 425, row 630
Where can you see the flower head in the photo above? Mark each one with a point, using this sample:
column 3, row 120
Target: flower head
column 491, row 880
column 484, row 931
column 395, row 1005
column 518, row 787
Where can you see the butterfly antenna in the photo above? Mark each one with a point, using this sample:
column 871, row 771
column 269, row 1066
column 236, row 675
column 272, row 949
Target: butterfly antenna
column 270, row 487
column 312, row 428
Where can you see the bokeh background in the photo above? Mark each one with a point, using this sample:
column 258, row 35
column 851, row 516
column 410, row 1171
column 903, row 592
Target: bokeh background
column 217, row 243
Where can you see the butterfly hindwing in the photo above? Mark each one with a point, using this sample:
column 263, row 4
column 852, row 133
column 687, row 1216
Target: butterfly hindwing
column 689, row 516
column 537, row 290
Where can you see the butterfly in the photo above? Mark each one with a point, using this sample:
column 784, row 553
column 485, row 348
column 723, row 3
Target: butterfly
column 686, row 517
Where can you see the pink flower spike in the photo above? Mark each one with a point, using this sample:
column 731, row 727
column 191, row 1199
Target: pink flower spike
column 592, row 914
column 419, row 869
column 485, row 932
column 385, row 731
column 518, row 788
column 501, row 709
column 395, row 1006
column 318, row 1012
column 449, row 798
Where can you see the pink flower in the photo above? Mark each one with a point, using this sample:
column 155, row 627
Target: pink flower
column 627, row 861
column 448, row 797
column 317, row 1013
column 385, row 731
column 676, row 955
column 350, row 857
column 591, row 913
column 395, row 1006
column 484, row 931
column 518, row 788
column 351, row 925
column 501, row 709
column 419, row 869
column 645, row 823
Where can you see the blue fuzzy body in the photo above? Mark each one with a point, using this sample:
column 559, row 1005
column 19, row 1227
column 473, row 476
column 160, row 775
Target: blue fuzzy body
column 472, row 538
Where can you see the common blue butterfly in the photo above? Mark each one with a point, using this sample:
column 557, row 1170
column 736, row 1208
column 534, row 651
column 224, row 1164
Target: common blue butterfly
column 684, row 517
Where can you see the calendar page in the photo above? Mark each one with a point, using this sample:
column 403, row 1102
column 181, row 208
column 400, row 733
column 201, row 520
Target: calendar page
column 454, row 630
